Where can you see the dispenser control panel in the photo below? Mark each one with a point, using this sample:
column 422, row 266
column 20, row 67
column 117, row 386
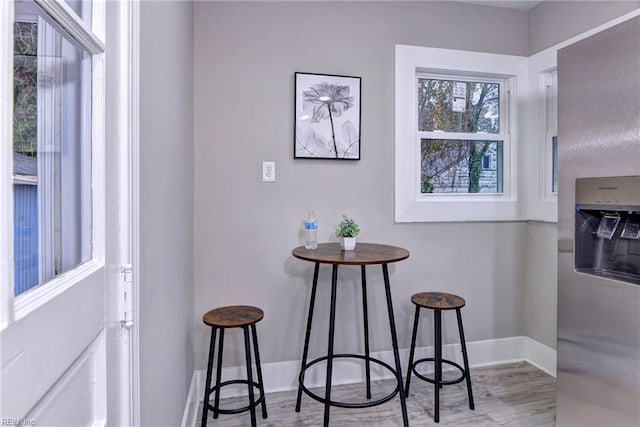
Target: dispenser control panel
column 617, row 190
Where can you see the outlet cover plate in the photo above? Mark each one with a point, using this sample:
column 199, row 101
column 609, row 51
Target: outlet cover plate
column 268, row 171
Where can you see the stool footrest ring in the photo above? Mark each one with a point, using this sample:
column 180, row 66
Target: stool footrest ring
column 238, row 410
column 347, row 404
column 431, row 380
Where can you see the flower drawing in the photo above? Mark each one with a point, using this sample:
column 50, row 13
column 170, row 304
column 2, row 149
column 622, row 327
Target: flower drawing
column 325, row 100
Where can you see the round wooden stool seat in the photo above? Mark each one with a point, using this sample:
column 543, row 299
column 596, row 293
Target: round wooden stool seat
column 234, row 316
column 438, row 300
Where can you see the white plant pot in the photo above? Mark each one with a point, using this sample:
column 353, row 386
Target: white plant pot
column 348, row 243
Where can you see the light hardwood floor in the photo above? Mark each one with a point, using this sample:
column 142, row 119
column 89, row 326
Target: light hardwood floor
column 515, row 394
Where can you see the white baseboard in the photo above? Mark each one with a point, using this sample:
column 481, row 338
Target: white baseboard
column 191, row 408
column 540, row 356
column 282, row 376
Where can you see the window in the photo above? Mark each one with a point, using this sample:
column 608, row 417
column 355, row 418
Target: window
column 446, row 109
column 551, row 132
column 52, row 146
column 25, row 148
column 541, row 139
column 455, row 135
column 554, row 164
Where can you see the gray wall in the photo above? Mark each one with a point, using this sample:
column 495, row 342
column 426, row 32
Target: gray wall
column 552, row 22
column 245, row 57
column 541, row 293
column 166, row 210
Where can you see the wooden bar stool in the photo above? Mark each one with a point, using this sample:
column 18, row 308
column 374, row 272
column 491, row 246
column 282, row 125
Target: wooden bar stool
column 439, row 301
column 238, row 316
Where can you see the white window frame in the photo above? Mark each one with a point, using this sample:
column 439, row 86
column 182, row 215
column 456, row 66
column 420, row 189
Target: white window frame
column 542, row 203
column 92, row 40
column 410, row 204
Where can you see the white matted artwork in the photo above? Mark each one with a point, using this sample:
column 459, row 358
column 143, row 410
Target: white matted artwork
column 327, row 117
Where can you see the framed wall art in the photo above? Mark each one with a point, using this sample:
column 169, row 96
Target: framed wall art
column 327, row 117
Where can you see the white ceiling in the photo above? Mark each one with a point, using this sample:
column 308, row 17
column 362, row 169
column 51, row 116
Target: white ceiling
column 512, row 4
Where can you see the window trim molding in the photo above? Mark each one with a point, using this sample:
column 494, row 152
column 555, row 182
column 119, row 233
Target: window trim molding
column 411, row 60
column 541, row 202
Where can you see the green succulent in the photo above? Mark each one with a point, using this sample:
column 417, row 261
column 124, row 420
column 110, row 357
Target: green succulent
column 347, row 227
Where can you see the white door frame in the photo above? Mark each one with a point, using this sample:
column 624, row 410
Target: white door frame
column 128, row 113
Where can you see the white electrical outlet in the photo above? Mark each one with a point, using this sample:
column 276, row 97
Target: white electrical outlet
column 268, row 171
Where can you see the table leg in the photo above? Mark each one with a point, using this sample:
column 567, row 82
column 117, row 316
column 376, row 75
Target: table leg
column 465, row 359
column 259, row 369
column 305, row 352
column 207, row 388
column 412, row 350
column 332, row 321
column 247, row 357
column 394, row 341
column 437, row 363
column 366, row 332
column 216, row 404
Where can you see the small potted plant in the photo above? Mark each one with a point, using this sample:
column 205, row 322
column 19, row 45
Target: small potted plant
column 347, row 231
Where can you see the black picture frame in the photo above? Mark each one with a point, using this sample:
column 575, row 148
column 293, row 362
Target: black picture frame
column 327, row 116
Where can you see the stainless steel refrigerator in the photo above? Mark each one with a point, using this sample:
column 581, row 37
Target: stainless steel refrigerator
column 599, row 229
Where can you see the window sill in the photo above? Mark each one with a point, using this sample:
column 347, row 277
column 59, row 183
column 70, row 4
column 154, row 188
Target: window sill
column 486, row 210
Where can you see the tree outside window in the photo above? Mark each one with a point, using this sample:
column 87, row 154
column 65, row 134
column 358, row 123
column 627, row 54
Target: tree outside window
column 25, row 88
column 449, row 163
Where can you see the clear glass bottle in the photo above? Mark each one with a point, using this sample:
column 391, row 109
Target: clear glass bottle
column 310, row 231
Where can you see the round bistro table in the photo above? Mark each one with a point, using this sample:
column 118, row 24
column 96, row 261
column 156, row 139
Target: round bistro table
column 364, row 254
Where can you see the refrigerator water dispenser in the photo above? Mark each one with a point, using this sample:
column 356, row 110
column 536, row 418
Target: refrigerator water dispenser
column 607, row 227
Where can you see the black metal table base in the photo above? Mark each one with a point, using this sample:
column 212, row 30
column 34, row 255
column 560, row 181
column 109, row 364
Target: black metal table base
column 396, row 370
column 349, row 404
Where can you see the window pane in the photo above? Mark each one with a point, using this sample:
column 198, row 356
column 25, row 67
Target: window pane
column 25, row 84
column 455, row 106
column 458, row 166
column 554, row 168
column 52, row 151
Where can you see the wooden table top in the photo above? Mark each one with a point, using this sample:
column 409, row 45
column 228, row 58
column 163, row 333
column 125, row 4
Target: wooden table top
column 363, row 254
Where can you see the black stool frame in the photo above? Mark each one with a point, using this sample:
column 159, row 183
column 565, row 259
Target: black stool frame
column 206, row 405
column 397, row 370
column 438, row 360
